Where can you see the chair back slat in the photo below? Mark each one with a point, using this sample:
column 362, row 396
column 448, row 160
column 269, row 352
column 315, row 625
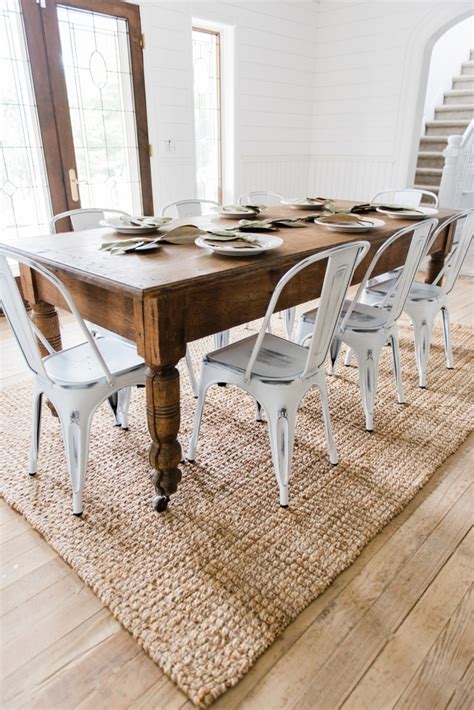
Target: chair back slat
column 190, row 208
column 341, row 263
column 405, row 196
column 84, row 218
column 20, row 323
column 262, row 197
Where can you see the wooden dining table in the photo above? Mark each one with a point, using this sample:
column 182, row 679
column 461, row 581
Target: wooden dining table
column 164, row 299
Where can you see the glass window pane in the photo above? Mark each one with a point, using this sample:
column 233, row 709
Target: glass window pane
column 25, row 206
column 206, row 62
column 96, row 55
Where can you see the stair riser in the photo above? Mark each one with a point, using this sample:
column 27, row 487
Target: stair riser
column 431, row 162
column 429, row 145
column 460, row 84
column 427, row 179
column 460, row 114
column 445, row 130
column 467, row 69
column 466, row 99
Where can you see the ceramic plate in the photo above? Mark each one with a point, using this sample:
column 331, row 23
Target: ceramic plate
column 239, row 215
column 303, row 205
column 123, row 226
column 262, row 243
column 371, row 223
column 408, row 214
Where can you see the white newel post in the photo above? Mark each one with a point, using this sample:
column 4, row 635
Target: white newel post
column 457, row 181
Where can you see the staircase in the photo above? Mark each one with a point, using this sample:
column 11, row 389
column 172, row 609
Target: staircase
column 451, row 118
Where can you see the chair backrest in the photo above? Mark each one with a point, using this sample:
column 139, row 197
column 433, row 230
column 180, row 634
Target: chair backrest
column 87, row 218
column 405, row 196
column 454, row 261
column 395, row 299
column 189, row 208
column 261, row 198
column 23, row 327
column 341, row 263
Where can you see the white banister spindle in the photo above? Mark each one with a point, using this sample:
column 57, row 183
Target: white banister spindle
column 457, row 182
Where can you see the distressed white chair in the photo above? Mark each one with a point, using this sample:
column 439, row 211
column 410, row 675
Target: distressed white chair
column 189, row 208
column 366, row 328
column 76, row 380
column 426, row 301
column 405, row 196
column 263, row 197
column 89, row 218
column 278, row 372
column 270, row 199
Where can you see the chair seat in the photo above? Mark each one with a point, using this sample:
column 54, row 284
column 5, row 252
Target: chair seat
column 363, row 317
column 418, row 292
column 77, row 366
column 278, row 359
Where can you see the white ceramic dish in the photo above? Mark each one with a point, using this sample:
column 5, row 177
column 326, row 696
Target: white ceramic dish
column 303, row 205
column 122, row 226
column 423, row 214
column 247, row 214
column 371, row 223
column 261, row 243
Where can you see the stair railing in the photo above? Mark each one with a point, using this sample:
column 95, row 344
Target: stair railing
column 457, row 181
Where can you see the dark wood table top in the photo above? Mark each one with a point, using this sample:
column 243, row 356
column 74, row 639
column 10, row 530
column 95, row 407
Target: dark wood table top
column 175, row 266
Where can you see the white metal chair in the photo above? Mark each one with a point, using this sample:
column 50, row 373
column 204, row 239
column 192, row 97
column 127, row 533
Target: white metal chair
column 278, row 372
column 263, row 197
column 425, row 301
column 405, row 196
column 76, row 380
column 366, row 328
column 89, row 218
column 189, row 208
column 270, row 199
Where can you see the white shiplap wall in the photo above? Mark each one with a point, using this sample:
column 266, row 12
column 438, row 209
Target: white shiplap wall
column 274, row 76
column 370, row 60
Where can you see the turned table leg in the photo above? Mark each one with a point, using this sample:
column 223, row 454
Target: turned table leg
column 45, row 317
column 162, row 407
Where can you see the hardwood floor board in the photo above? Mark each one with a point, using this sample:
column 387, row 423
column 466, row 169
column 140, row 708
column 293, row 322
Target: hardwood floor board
column 18, row 544
column 394, row 667
column 24, row 686
column 316, row 633
column 25, row 563
column 163, row 695
column 435, row 682
column 464, row 692
column 18, row 593
column 12, row 528
column 345, row 666
column 25, row 646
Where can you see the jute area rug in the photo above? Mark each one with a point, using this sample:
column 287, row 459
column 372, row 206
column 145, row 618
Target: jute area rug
column 206, row 587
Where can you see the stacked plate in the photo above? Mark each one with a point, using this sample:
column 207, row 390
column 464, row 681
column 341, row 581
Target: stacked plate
column 135, row 225
column 364, row 224
column 304, row 204
column 408, row 213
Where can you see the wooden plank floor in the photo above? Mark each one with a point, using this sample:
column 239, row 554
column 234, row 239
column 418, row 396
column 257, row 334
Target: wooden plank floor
column 392, row 631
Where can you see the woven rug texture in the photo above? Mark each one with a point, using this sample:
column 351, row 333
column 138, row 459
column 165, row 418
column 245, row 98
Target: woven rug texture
column 207, row 586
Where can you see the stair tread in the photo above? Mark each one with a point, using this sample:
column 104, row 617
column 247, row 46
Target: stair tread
column 429, row 171
column 456, row 107
column 459, row 92
column 448, row 122
column 430, row 188
column 430, row 153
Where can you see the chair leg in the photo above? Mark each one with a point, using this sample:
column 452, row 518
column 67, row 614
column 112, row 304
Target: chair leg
column 203, row 387
column 289, row 316
column 397, row 369
column 368, row 365
column 221, row 339
column 348, row 358
column 76, row 427
column 35, row 433
column 258, row 411
column 447, row 339
column 192, row 377
column 113, row 404
column 281, row 429
column 330, row 443
column 423, row 329
column 123, row 404
column 333, row 354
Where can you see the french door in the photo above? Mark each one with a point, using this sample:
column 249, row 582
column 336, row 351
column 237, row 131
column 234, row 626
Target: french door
column 73, row 126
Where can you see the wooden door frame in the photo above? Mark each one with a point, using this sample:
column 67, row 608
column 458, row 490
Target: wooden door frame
column 58, row 90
